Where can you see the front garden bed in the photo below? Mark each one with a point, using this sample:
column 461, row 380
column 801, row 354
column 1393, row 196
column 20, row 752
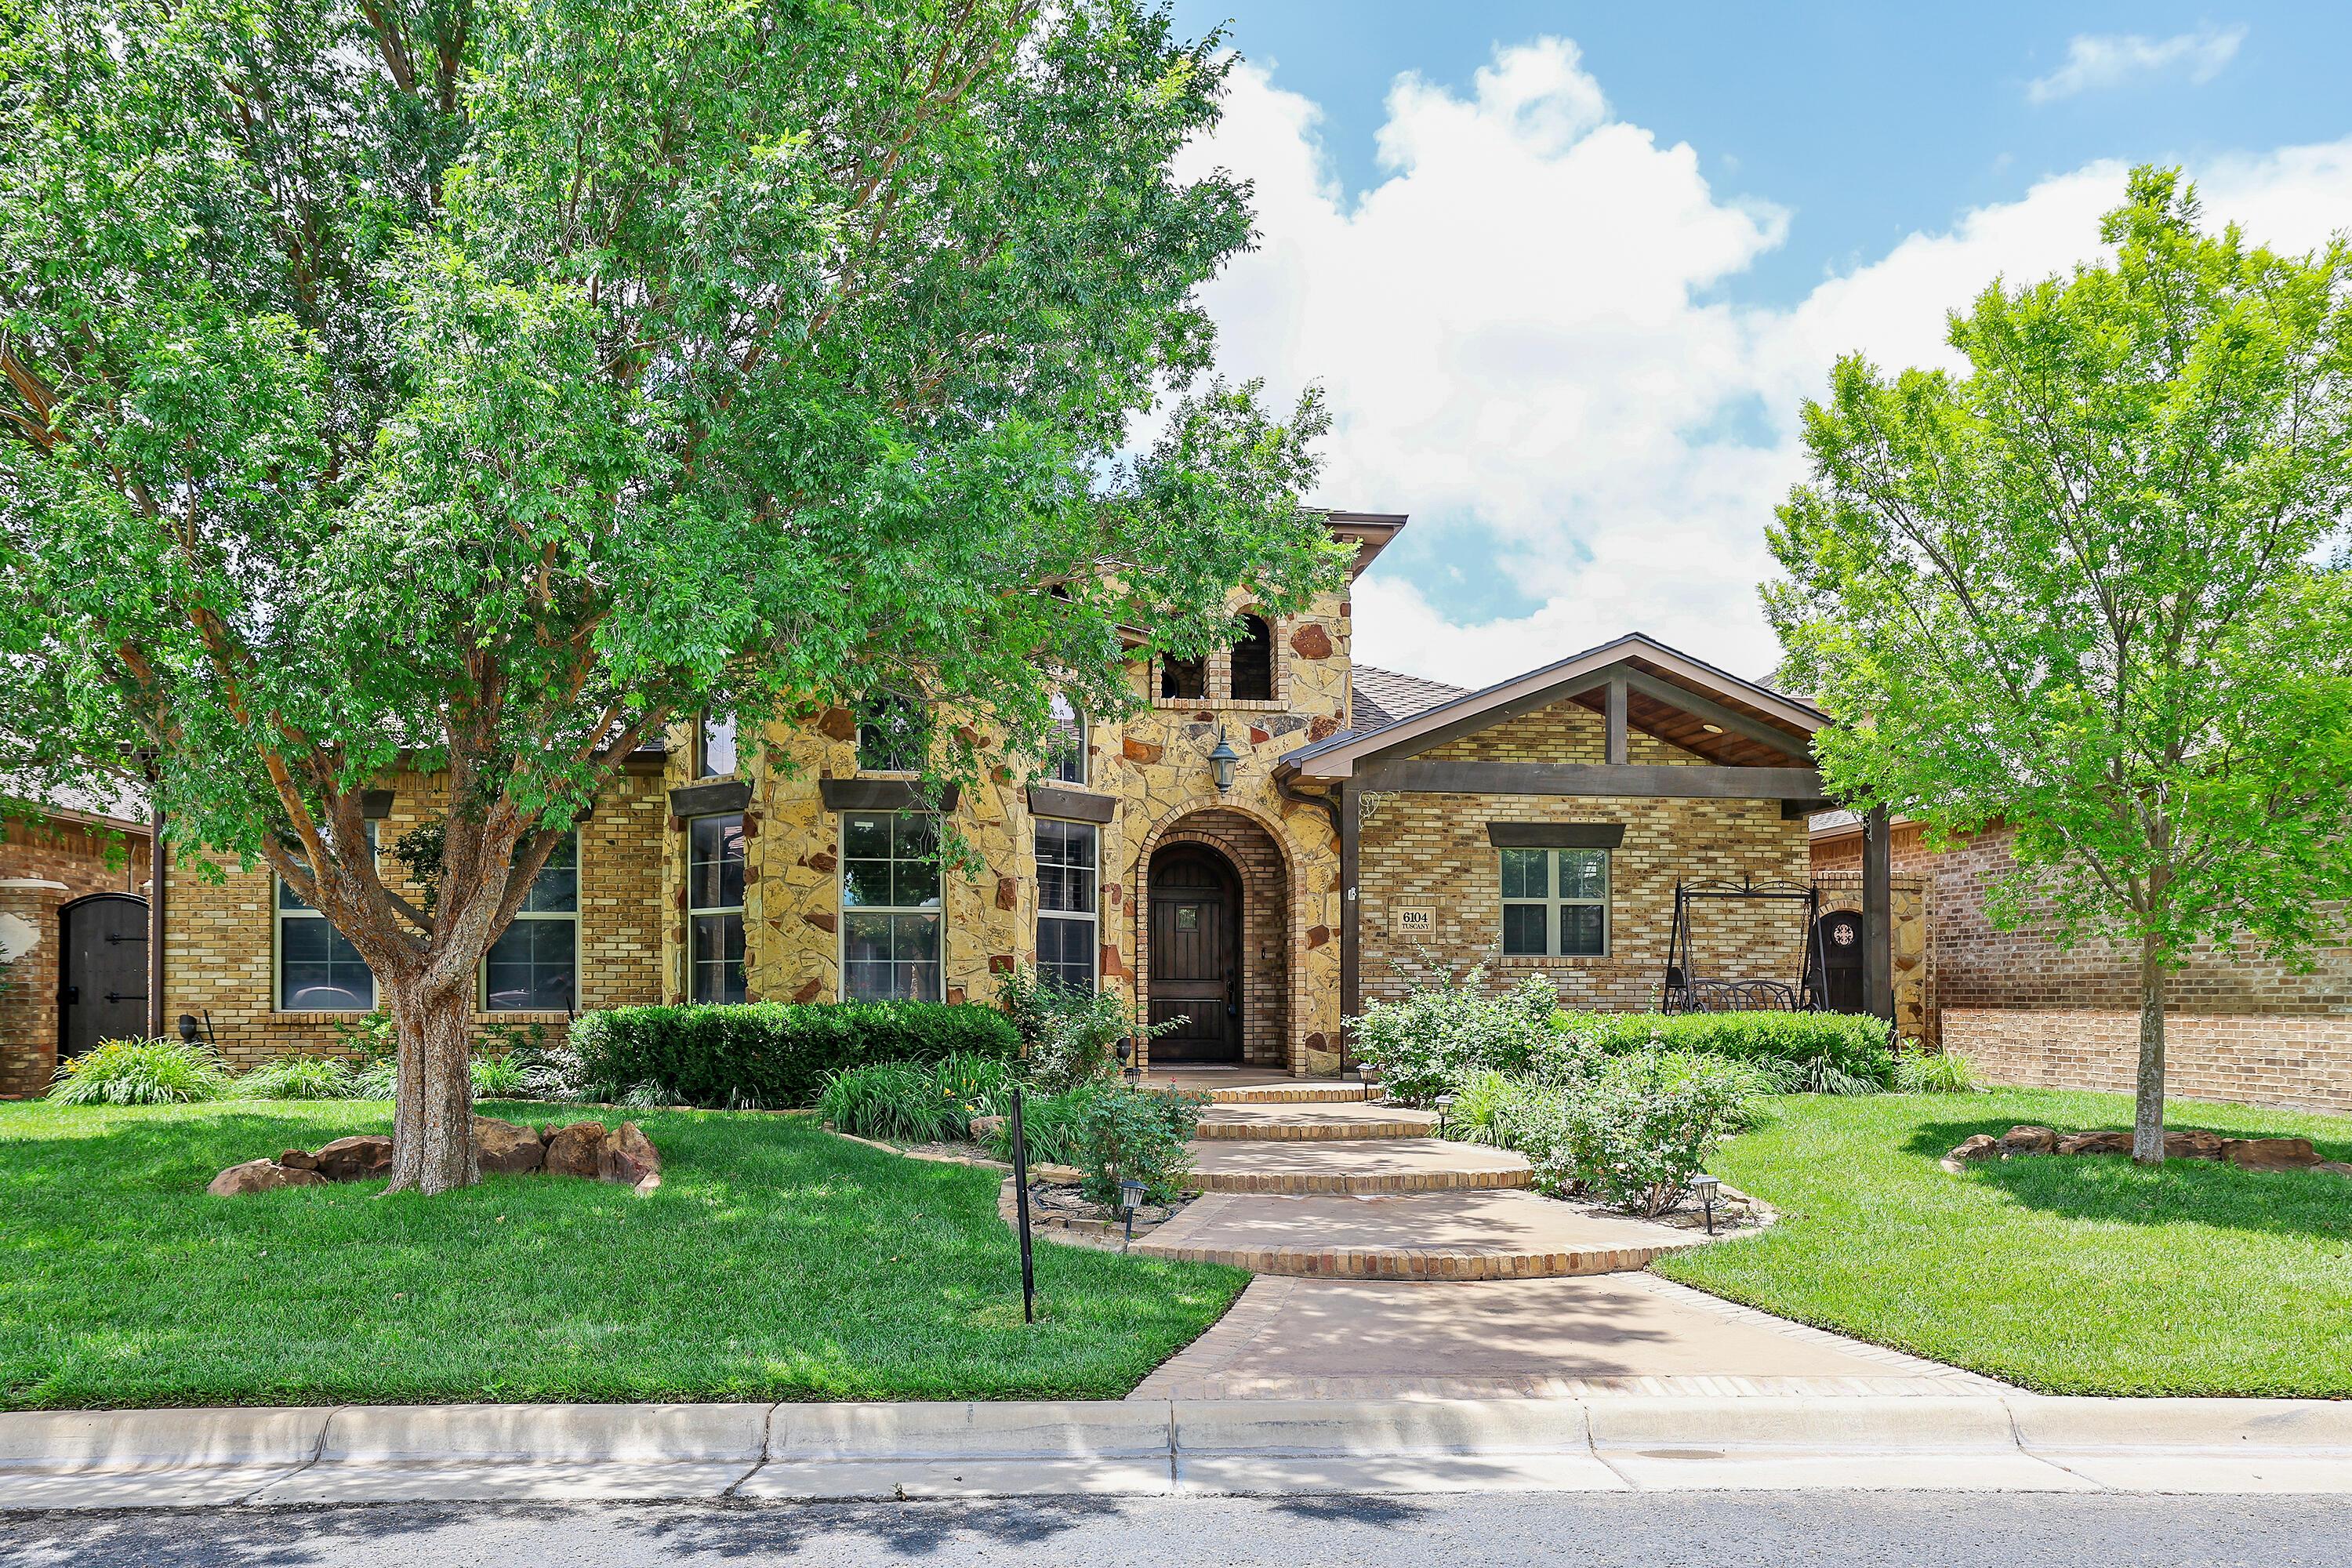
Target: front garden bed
column 2064, row 1275
column 775, row 1262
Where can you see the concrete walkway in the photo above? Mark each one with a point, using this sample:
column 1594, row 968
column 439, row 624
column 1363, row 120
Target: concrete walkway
column 1624, row 1333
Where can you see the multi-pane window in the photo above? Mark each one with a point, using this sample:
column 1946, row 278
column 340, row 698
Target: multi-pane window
column 1555, row 903
column 1070, row 760
column 714, row 907
column 1065, row 902
column 715, row 747
column 534, row 965
column 1252, row 662
column 890, row 738
column 890, row 906
column 1183, row 678
column 319, row 970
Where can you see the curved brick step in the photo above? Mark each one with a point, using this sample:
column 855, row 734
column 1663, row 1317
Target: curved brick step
column 1299, row 1091
column 1487, row 1234
column 1311, row 1122
column 1359, row 1166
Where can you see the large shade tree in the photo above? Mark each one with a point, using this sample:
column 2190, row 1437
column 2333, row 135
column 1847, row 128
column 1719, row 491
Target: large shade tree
column 486, row 387
column 2092, row 589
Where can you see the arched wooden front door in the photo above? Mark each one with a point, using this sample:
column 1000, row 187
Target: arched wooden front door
column 102, row 978
column 1195, row 959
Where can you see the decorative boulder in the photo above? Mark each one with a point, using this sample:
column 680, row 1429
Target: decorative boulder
column 628, row 1157
column 1983, row 1146
column 261, row 1176
column 2028, row 1140
column 354, row 1159
column 2095, row 1144
column 2270, row 1153
column 984, row 1128
column 574, row 1150
column 2334, row 1167
column 503, row 1148
column 298, row 1159
column 2192, row 1145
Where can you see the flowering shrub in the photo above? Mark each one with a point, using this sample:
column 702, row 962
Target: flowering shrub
column 140, row 1072
column 1434, row 1040
column 1138, row 1136
column 1641, row 1130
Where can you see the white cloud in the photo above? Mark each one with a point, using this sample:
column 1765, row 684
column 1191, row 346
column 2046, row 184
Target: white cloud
column 1515, row 333
column 2096, row 60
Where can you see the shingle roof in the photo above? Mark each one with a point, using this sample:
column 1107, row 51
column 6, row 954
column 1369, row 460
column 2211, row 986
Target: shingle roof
column 1385, row 696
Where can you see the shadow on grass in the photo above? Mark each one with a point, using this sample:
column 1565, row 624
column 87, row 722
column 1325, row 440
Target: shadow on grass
column 2178, row 1192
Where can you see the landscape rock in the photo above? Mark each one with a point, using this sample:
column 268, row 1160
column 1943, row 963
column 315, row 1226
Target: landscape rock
column 985, row 1128
column 1982, row 1146
column 2334, row 1167
column 574, row 1151
column 626, row 1156
column 2192, row 1145
column 261, row 1176
column 354, row 1159
column 2095, row 1144
column 505, row 1148
column 298, row 1159
column 2270, row 1153
column 2029, row 1139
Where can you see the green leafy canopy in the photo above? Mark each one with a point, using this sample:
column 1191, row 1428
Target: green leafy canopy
column 2093, row 587
column 488, row 385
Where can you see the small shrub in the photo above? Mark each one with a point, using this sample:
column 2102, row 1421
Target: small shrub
column 1939, row 1072
column 1859, row 1048
column 1138, row 1135
column 1053, row 1125
column 1068, row 1036
column 1817, row 1074
column 778, row 1054
column 502, row 1075
column 1645, row 1127
column 140, row 1072
column 300, row 1078
column 1432, row 1041
column 372, row 1036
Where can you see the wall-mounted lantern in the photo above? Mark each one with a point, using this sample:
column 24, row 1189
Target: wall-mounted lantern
column 1221, row 760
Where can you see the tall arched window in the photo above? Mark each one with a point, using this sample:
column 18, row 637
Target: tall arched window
column 1252, row 663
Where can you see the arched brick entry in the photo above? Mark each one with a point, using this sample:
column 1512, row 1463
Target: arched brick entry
column 1263, row 928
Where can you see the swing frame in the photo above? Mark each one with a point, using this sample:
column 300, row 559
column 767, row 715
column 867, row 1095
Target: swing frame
column 1684, row 992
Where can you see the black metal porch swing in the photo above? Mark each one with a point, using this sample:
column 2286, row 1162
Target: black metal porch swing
column 1687, row 992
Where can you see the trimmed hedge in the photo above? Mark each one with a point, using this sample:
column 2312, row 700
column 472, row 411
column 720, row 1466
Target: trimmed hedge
column 1851, row 1043
column 775, row 1054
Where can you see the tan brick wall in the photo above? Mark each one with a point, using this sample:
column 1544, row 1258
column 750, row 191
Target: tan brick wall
column 1433, row 850
column 219, row 952
column 45, row 864
column 2301, row 1063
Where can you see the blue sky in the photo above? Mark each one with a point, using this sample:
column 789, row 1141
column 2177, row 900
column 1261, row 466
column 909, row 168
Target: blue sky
column 1567, row 270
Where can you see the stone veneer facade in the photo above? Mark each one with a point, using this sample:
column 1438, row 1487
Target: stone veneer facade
column 2239, row 1026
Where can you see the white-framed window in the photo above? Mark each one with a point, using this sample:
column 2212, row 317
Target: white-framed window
column 714, row 908
column 534, row 966
column 890, row 916
column 891, row 738
column 1066, row 912
column 1070, row 761
column 319, row 970
column 714, row 750
column 1555, row 903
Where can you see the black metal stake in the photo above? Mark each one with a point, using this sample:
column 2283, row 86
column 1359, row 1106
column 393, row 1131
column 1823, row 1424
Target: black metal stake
column 1021, row 1201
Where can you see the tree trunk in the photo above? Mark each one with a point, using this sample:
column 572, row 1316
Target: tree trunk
column 433, row 1112
column 2148, row 1118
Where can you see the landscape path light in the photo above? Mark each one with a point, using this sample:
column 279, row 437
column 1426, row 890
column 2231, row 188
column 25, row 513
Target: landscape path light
column 1704, row 1188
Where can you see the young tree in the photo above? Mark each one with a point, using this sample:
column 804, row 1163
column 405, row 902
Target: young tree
column 2084, row 590
column 485, row 387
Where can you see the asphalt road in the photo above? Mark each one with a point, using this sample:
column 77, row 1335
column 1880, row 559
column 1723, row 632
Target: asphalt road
column 1492, row 1531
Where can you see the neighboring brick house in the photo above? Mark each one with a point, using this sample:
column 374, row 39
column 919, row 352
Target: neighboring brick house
column 2239, row 1026
column 1246, row 855
column 73, row 914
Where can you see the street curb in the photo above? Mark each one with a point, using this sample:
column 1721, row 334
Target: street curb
column 138, row 1459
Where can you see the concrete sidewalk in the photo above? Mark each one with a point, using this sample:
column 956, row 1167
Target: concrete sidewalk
column 1146, row 1447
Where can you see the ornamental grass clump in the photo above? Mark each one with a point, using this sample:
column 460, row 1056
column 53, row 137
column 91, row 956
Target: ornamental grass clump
column 1934, row 1072
column 140, row 1072
column 299, row 1077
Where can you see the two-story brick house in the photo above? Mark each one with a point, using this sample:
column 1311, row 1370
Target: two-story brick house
column 1251, row 852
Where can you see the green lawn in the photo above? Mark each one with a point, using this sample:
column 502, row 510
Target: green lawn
column 776, row 1262
column 2067, row 1275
